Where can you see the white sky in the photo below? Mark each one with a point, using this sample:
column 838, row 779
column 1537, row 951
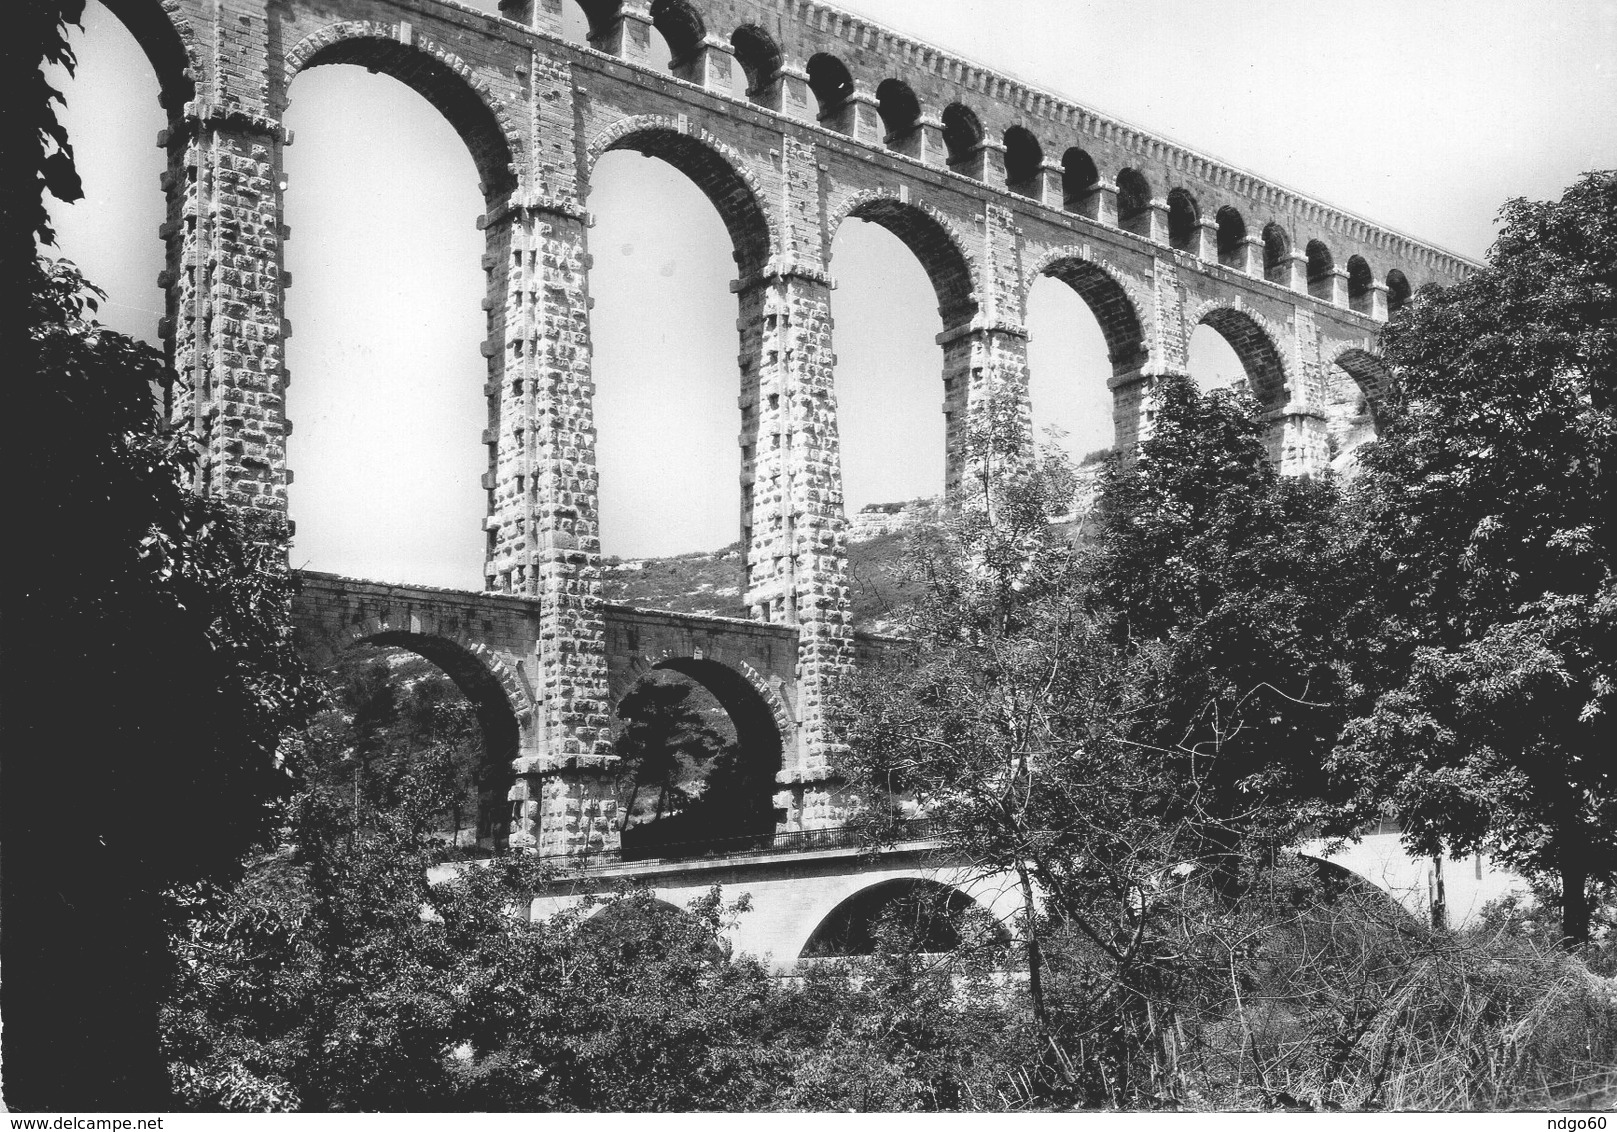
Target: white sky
column 1420, row 114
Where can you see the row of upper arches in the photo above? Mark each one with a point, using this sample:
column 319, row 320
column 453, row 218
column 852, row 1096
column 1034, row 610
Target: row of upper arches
column 1125, row 199
column 935, row 242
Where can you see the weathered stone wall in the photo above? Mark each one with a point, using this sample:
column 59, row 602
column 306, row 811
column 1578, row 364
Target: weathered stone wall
column 989, row 183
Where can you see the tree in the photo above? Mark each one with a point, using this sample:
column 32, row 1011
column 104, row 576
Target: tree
column 666, row 745
column 148, row 662
column 1486, row 510
column 167, row 616
column 39, row 158
column 339, row 977
column 393, row 716
column 687, row 781
column 1242, row 577
column 1127, row 709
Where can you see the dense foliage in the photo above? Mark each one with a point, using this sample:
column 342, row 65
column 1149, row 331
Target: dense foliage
column 1241, row 577
column 393, row 718
column 150, row 672
column 338, row 977
column 1486, row 511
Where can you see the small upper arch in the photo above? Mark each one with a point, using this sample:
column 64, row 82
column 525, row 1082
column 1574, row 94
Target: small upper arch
column 681, row 27
column 1183, row 217
column 1276, row 254
column 830, row 81
column 1134, row 202
column 1231, row 238
column 962, row 132
column 1080, row 181
column 1398, row 290
column 1024, row 157
column 900, row 110
column 1321, row 269
column 1360, row 284
column 759, row 56
column 600, row 15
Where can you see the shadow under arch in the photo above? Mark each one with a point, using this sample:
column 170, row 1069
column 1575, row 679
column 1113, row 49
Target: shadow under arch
column 737, row 810
column 1260, row 357
column 1369, row 372
column 933, row 915
column 1109, row 302
column 154, row 29
column 717, row 173
column 496, row 719
column 441, row 78
column 638, row 924
column 1357, row 383
column 933, row 244
column 1339, row 884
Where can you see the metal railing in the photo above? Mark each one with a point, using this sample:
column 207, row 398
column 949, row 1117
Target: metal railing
column 784, row 842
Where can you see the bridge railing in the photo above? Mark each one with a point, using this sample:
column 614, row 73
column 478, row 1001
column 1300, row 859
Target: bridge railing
column 787, row 841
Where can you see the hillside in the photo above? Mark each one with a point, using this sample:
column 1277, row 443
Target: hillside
column 710, row 582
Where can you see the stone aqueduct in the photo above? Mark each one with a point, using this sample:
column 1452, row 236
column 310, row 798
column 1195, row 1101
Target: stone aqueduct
column 990, row 183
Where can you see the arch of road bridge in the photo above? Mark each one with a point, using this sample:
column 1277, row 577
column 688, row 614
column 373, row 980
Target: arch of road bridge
column 791, row 899
column 850, row 928
column 826, row 899
column 1403, row 896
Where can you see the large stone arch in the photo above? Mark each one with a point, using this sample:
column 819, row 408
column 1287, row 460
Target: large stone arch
column 502, row 704
column 169, row 44
column 731, row 673
column 1254, row 340
column 1356, row 383
column 432, row 71
column 716, row 168
column 933, row 238
column 1365, row 365
column 1111, row 297
column 749, row 813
